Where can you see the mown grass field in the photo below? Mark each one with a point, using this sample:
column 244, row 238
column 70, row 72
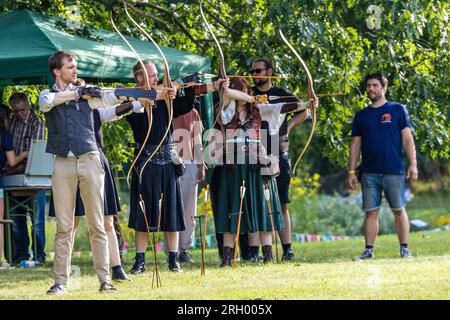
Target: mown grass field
column 320, row 271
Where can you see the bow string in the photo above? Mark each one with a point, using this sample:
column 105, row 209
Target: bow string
column 311, row 96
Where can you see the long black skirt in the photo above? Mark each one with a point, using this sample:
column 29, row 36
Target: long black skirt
column 156, row 179
column 111, row 201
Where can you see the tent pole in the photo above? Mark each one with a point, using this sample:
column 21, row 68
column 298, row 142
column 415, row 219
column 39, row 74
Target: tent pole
column 1, row 94
column 206, row 110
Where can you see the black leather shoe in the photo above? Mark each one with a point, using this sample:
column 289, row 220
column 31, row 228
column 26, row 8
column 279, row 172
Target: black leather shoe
column 56, row 289
column 185, row 257
column 288, row 255
column 139, row 264
column 106, row 286
column 174, row 265
column 255, row 258
column 119, row 275
column 253, row 254
column 40, row 260
column 267, row 253
column 226, row 256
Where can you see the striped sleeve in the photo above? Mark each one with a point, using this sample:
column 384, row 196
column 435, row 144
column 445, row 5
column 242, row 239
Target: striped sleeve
column 39, row 129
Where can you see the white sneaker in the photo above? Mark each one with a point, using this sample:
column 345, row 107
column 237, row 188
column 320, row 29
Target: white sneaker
column 367, row 254
column 5, row 266
column 404, row 253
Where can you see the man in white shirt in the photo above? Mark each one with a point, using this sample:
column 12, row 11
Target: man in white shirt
column 72, row 140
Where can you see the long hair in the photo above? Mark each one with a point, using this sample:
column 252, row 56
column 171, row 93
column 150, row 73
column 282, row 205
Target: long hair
column 251, row 109
column 5, row 117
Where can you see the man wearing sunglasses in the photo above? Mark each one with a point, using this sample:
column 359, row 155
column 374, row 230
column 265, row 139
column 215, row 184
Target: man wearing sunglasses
column 263, row 67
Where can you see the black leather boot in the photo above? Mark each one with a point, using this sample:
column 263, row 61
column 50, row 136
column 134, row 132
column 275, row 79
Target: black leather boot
column 185, row 257
column 174, row 264
column 253, row 255
column 267, row 253
column 226, row 256
column 139, row 264
column 288, row 254
column 118, row 274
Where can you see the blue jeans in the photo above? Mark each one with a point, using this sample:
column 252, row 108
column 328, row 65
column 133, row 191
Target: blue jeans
column 393, row 186
column 20, row 229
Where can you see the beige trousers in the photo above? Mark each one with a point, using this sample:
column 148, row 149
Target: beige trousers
column 189, row 187
column 87, row 172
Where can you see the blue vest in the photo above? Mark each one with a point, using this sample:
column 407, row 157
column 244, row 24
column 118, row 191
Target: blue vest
column 71, row 129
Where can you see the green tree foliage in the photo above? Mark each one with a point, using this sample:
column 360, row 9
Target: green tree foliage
column 341, row 41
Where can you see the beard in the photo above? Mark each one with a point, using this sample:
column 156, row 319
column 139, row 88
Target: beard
column 374, row 97
column 69, row 78
column 260, row 82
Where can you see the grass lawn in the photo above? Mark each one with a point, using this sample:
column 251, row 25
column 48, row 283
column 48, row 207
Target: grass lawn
column 320, row 271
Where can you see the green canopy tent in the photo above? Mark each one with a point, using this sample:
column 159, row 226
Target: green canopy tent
column 28, row 39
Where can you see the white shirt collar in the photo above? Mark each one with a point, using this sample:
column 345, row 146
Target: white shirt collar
column 70, row 87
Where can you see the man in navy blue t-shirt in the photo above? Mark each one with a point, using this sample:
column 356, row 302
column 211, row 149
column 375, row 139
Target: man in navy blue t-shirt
column 379, row 131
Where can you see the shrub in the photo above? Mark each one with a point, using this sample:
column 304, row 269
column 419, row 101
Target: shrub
column 324, row 214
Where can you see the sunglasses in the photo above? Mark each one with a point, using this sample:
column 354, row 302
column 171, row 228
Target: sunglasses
column 257, row 70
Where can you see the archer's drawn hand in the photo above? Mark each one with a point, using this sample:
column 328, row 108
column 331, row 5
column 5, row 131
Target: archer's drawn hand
column 88, row 92
column 261, row 99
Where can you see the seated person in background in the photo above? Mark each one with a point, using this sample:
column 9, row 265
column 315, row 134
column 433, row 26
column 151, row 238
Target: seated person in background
column 26, row 126
column 7, row 156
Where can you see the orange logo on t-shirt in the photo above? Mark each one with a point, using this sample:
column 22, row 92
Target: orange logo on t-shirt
column 386, row 118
